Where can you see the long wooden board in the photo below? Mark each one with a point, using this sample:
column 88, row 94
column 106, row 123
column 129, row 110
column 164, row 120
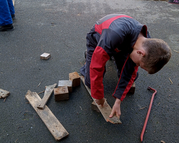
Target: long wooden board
column 105, row 110
column 48, row 91
column 52, row 123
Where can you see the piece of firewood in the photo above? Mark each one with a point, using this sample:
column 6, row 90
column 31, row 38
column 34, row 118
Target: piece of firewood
column 61, row 93
column 67, row 83
column 75, row 78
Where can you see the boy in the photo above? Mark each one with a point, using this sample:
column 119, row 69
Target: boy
column 129, row 43
column 7, row 13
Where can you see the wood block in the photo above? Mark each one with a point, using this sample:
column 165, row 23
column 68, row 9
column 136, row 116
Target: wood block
column 4, row 93
column 45, row 56
column 94, row 107
column 51, row 122
column 61, row 93
column 132, row 89
column 75, row 78
column 105, row 110
column 48, row 91
column 67, row 83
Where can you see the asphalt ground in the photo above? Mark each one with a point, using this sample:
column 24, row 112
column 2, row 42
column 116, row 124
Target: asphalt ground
column 59, row 28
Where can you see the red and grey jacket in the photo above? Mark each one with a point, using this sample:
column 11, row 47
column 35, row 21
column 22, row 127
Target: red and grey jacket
column 112, row 34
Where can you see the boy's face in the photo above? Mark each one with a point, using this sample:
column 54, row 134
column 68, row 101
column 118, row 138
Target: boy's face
column 136, row 57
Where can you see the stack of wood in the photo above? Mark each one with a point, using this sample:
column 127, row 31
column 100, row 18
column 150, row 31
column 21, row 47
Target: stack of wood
column 60, row 93
column 65, row 87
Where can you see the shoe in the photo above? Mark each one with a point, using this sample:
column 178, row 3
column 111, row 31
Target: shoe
column 6, row 28
column 13, row 16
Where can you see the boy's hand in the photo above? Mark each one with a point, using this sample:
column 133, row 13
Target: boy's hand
column 116, row 110
column 100, row 101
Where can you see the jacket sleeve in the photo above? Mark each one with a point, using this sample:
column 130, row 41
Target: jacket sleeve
column 126, row 79
column 97, row 68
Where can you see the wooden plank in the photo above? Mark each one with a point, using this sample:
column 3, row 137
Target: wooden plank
column 48, row 91
column 94, row 107
column 105, row 110
column 52, row 123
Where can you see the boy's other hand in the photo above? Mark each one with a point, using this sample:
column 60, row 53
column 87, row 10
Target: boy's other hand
column 116, row 110
column 100, row 101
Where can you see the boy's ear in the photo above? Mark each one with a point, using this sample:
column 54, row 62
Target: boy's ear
column 141, row 52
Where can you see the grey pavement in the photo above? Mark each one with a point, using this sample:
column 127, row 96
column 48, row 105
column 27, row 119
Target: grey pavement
column 59, row 27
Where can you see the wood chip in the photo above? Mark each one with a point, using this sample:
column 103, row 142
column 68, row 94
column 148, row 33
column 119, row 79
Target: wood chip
column 176, row 51
column 143, row 108
column 4, row 93
column 171, row 81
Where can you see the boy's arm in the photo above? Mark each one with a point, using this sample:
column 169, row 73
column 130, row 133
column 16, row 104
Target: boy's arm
column 126, row 79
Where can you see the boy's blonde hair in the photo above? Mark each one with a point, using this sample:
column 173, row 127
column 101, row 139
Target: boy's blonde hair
column 157, row 54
